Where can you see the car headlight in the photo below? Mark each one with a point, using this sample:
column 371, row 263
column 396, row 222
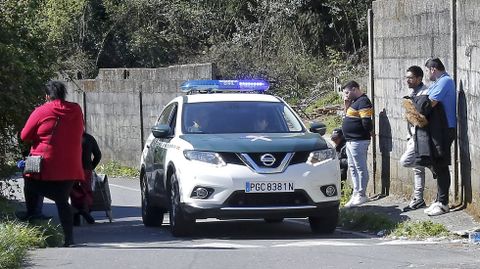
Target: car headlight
column 204, row 156
column 321, row 155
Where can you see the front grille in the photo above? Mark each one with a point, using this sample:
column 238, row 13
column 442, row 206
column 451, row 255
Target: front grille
column 279, row 156
column 242, row 199
column 230, row 157
column 300, row 157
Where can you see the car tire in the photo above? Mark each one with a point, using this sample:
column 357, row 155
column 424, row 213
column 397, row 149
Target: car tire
column 273, row 220
column 152, row 216
column 325, row 223
column 181, row 224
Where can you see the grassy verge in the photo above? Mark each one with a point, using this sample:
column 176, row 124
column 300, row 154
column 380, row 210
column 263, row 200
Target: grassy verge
column 114, row 169
column 419, row 230
column 17, row 237
column 382, row 225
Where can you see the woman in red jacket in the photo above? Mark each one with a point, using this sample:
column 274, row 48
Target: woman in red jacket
column 55, row 131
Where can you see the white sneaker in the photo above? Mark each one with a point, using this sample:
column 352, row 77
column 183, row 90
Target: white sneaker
column 428, row 209
column 438, row 209
column 350, row 202
column 360, row 200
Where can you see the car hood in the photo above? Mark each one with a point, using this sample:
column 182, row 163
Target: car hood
column 256, row 142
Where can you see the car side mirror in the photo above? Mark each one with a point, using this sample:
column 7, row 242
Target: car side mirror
column 318, row 127
column 161, row 130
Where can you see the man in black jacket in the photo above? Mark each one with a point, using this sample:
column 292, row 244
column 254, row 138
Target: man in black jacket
column 414, row 77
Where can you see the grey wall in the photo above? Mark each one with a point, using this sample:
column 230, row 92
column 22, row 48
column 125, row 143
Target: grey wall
column 118, row 101
column 405, row 33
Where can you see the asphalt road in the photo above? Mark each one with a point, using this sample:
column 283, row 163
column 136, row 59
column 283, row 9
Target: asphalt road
column 126, row 243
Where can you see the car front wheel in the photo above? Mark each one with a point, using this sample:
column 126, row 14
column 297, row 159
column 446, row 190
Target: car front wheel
column 152, row 216
column 181, row 224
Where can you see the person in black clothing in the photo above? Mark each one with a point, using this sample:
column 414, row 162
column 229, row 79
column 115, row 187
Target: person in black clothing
column 341, row 149
column 82, row 195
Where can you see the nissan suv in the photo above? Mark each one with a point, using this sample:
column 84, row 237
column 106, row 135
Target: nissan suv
column 228, row 150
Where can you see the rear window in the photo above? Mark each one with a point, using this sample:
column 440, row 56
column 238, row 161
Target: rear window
column 239, row 117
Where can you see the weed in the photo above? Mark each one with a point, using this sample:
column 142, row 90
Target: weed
column 114, row 169
column 419, row 230
column 346, row 193
column 15, row 239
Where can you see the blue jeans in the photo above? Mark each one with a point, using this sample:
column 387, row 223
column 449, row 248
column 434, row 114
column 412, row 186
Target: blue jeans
column 357, row 164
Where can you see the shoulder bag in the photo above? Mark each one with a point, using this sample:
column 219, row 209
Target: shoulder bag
column 33, row 164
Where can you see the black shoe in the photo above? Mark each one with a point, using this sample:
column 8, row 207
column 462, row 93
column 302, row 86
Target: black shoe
column 68, row 244
column 76, row 219
column 88, row 218
column 415, row 204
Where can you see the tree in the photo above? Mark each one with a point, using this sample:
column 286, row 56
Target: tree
column 26, row 62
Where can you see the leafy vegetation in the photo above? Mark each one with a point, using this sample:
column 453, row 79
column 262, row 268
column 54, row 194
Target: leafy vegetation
column 419, row 230
column 114, row 169
column 17, row 237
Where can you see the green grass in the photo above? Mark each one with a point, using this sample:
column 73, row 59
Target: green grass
column 114, row 169
column 329, row 99
column 15, row 239
column 365, row 221
column 419, row 230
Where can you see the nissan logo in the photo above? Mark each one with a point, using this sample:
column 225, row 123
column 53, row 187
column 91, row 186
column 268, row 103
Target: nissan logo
column 267, row 159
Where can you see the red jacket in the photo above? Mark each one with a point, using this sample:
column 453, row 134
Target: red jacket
column 62, row 158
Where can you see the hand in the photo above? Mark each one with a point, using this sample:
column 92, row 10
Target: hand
column 346, row 103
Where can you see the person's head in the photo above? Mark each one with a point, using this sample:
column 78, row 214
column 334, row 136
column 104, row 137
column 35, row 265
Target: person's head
column 414, row 76
column 337, row 136
column 351, row 90
column 55, row 90
column 434, row 68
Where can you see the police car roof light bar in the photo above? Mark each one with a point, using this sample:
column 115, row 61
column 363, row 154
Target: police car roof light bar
column 256, row 85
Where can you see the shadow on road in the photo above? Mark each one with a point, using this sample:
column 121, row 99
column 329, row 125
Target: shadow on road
column 127, row 228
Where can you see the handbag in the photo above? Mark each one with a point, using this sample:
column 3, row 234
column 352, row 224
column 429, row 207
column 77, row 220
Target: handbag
column 33, row 164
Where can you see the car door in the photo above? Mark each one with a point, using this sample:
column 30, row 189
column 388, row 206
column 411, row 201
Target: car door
column 160, row 147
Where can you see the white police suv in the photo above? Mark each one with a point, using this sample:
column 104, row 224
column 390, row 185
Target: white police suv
column 227, row 150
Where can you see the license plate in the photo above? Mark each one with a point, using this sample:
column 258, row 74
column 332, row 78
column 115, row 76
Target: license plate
column 268, row 186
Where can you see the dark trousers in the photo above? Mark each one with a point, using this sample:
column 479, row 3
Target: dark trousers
column 58, row 191
column 443, row 173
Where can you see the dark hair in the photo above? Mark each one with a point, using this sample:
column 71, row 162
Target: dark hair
column 351, row 84
column 337, row 133
column 416, row 70
column 55, row 90
column 435, row 63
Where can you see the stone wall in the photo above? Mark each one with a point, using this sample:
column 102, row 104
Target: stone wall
column 120, row 101
column 405, row 33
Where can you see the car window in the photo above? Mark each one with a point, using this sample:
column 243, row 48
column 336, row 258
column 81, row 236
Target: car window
column 239, row 117
column 165, row 115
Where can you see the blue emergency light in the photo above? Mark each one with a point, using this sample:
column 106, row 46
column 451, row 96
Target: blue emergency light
column 250, row 85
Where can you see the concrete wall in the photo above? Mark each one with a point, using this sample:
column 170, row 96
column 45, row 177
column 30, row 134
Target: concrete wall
column 405, row 33
column 119, row 101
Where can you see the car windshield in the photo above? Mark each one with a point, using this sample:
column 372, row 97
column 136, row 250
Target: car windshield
column 239, row 117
